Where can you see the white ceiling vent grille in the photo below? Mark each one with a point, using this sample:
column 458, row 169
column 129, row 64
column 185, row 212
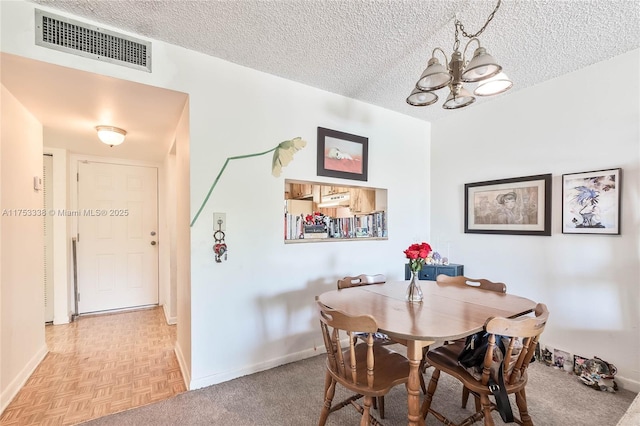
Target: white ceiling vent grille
column 67, row 35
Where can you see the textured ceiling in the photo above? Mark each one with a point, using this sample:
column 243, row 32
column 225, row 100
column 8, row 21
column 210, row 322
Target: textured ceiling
column 374, row 51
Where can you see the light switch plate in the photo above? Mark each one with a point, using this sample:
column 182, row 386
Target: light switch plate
column 222, row 218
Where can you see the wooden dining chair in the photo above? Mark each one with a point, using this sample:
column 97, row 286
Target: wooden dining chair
column 378, row 338
column 366, row 369
column 362, row 279
column 381, row 338
column 457, row 345
column 526, row 330
column 472, row 282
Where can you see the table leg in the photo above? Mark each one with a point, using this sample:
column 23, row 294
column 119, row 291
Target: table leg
column 414, row 354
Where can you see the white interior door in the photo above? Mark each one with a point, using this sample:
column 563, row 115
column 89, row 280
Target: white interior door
column 117, row 236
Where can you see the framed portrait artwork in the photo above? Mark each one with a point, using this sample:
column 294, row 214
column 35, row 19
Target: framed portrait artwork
column 342, row 155
column 518, row 206
column 591, row 202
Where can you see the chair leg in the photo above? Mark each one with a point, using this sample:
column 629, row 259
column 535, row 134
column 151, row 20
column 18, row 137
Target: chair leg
column 521, row 401
column 486, row 409
column 433, row 384
column 465, row 396
column 366, row 414
column 423, row 385
column 329, row 391
column 476, row 399
column 423, row 362
column 423, row 369
column 380, row 406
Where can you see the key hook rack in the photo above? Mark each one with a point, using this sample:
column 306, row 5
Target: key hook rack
column 220, row 247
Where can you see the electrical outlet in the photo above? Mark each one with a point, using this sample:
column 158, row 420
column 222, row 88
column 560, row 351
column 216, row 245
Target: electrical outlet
column 219, row 222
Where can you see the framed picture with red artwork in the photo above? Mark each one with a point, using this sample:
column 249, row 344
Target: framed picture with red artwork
column 342, row 155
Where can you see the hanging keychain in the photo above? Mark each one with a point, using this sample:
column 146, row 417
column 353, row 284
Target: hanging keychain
column 220, row 247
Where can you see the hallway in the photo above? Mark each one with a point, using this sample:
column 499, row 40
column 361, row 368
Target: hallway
column 99, row 365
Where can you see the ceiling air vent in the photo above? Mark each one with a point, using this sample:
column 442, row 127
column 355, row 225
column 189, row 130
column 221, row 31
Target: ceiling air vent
column 67, row 35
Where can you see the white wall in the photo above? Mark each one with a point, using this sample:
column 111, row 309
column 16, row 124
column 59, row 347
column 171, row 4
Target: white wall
column 255, row 310
column 570, row 124
column 266, row 288
column 22, row 344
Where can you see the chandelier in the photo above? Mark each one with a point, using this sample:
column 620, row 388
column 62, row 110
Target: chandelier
column 482, row 69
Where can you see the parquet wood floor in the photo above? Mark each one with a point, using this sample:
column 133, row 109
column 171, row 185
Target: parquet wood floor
column 99, row 365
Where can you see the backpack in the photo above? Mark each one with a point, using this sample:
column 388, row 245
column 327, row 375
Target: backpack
column 472, row 359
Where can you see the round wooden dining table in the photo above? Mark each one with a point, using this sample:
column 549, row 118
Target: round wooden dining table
column 447, row 312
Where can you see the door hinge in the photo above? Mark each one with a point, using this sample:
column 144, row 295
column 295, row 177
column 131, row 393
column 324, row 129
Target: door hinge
column 78, row 297
column 78, row 239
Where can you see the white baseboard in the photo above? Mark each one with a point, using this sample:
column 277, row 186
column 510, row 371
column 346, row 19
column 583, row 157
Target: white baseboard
column 61, row 320
column 229, row 375
column 170, row 320
column 186, row 376
column 628, row 384
column 16, row 384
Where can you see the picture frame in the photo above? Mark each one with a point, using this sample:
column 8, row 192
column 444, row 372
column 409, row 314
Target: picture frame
column 591, row 202
column 562, row 360
column 515, row 206
column 342, row 155
column 578, row 363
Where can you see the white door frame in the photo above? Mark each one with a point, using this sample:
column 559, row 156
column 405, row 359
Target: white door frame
column 73, row 205
column 62, row 281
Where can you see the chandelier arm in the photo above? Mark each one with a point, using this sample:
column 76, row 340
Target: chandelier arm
column 433, row 55
column 459, row 24
column 464, row 52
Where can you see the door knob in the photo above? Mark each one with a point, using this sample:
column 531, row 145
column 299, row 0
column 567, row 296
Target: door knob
column 153, row 243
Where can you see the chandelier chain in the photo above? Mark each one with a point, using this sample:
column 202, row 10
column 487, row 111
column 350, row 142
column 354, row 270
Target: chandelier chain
column 461, row 26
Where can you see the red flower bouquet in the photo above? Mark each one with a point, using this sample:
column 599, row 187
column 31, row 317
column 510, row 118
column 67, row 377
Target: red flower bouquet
column 417, row 254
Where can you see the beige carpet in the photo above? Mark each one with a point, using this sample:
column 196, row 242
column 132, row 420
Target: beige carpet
column 632, row 416
column 291, row 395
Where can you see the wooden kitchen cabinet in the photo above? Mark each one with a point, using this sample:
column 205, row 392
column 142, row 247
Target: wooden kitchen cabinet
column 362, row 200
column 301, row 191
column 329, row 189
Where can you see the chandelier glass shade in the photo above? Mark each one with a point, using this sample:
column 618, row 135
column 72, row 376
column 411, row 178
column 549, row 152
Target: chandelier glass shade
column 499, row 83
column 421, row 98
column 435, row 76
column 482, row 70
column 111, row 135
column 481, row 66
column 458, row 97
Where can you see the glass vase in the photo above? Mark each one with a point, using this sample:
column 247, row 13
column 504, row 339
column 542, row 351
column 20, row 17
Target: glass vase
column 414, row 293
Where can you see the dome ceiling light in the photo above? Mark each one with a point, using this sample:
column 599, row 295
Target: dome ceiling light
column 111, row 135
